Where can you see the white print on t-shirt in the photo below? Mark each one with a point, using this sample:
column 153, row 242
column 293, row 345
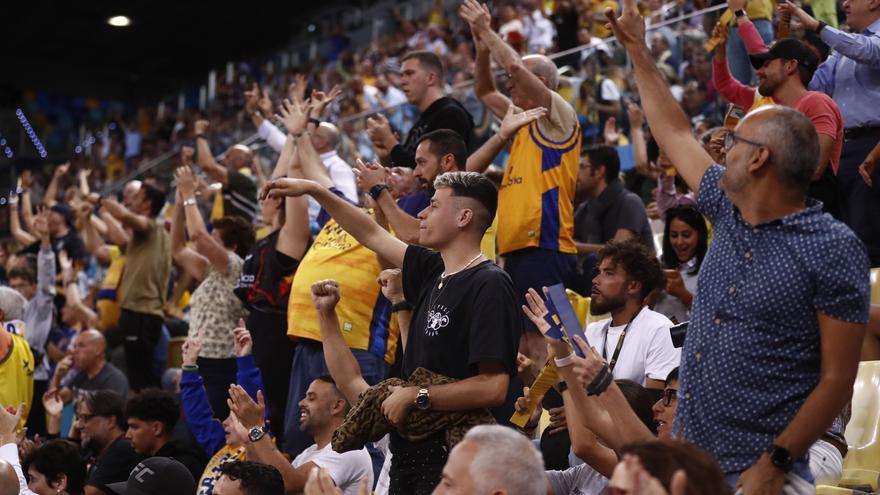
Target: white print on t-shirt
column 437, row 319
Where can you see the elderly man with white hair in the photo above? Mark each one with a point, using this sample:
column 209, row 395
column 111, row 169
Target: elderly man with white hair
column 493, row 460
column 16, row 358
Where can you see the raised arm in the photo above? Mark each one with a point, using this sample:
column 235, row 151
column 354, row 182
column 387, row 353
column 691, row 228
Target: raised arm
column 484, row 80
column 130, row 219
column 637, row 136
column 205, row 244
column 50, row 198
column 204, row 156
column 480, row 19
column 341, row 363
column 668, row 122
column 188, row 259
column 861, row 48
column 71, row 292
column 349, row 217
column 93, row 241
column 735, row 91
column 514, row 119
column 293, row 240
column 27, row 209
column 20, row 235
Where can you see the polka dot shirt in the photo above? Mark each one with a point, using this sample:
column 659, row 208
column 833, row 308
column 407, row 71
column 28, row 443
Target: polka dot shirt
column 752, row 352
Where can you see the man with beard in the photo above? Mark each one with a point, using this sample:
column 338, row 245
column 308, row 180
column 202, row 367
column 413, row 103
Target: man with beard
column 101, row 426
column 784, row 72
column 321, row 412
column 635, row 341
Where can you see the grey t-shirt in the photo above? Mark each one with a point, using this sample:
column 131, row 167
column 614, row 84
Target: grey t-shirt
column 579, row 480
column 109, row 378
column 597, row 220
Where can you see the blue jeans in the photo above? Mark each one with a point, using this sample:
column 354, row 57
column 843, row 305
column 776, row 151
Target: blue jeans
column 308, row 364
column 738, row 57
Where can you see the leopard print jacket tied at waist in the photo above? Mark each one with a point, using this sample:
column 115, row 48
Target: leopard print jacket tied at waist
column 365, row 422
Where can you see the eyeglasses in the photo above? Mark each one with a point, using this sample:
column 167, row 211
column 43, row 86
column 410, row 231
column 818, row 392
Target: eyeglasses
column 668, row 395
column 83, row 418
column 730, row 139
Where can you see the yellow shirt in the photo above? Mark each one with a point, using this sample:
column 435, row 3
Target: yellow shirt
column 760, row 9
column 17, row 373
column 212, row 471
column 487, row 244
column 364, row 314
column 535, row 203
column 107, row 299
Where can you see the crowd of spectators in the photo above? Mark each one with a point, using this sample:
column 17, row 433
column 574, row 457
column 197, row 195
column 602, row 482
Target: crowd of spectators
column 378, row 290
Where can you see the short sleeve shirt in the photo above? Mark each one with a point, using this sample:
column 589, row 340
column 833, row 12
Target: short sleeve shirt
column 346, row 469
column 109, row 378
column 825, row 115
column 215, row 310
column 473, row 318
column 752, row 355
column 240, row 196
column 113, row 465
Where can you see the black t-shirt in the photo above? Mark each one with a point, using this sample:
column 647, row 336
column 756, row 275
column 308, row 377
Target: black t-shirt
column 193, row 460
column 113, row 465
column 445, row 113
column 266, row 276
column 472, row 319
column 240, row 196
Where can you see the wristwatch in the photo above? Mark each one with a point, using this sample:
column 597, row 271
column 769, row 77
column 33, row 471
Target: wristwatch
column 256, row 433
column 376, row 190
column 423, row 400
column 780, row 457
column 739, row 13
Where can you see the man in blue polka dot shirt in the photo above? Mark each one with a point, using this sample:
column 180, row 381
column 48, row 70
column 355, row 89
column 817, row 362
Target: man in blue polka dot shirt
column 773, row 344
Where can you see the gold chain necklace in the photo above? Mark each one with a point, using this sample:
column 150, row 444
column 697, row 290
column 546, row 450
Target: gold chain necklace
column 444, row 275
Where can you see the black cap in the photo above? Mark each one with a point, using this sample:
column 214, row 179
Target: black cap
column 788, row 49
column 157, row 476
column 64, row 211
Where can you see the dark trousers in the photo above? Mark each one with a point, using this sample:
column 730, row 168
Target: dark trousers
column 217, row 375
column 273, row 353
column 416, row 468
column 862, row 202
column 533, row 268
column 141, row 333
column 36, row 420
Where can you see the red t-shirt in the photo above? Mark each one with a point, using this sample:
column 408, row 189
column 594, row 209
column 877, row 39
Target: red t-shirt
column 826, row 117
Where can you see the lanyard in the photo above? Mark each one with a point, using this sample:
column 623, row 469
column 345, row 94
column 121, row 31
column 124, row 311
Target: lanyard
column 616, row 354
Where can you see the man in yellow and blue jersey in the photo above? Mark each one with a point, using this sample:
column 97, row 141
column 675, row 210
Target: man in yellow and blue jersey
column 535, row 203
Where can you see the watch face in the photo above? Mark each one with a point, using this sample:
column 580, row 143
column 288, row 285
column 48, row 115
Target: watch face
column 255, row 434
column 422, row 401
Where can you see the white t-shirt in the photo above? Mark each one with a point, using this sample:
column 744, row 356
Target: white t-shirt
column 647, row 350
column 346, row 469
column 578, row 480
column 343, row 179
column 610, row 91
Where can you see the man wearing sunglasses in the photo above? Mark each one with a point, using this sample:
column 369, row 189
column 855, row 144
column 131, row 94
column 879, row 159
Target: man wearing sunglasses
column 773, row 344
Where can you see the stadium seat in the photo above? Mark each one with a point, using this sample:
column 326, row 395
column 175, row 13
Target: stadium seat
column 861, row 467
column 875, row 285
column 580, row 304
column 833, row 490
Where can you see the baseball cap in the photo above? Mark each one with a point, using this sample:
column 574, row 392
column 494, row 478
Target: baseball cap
column 789, row 49
column 65, row 211
column 157, row 476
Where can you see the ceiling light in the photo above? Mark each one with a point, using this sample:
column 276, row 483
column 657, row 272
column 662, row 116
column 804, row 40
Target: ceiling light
column 119, row 21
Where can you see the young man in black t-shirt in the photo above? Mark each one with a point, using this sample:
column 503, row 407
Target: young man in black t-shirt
column 465, row 322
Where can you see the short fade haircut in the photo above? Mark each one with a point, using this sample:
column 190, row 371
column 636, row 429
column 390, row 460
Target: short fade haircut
column 254, row 478
column 662, row 458
column 605, row 156
column 238, row 231
column 447, row 142
column 329, row 379
column 59, row 457
column 505, row 459
column 793, row 144
column 152, row 404
column 24, row 272
column 474, row 186
column 106, row 403
column 155, row 196
column 639, row 264
column 429, row 61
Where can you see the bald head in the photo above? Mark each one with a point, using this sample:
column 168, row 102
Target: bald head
column 544, row 68
column 326, row 137
column 8, row 479
column 792, row 140
column 89, row 350
column 238, row 156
